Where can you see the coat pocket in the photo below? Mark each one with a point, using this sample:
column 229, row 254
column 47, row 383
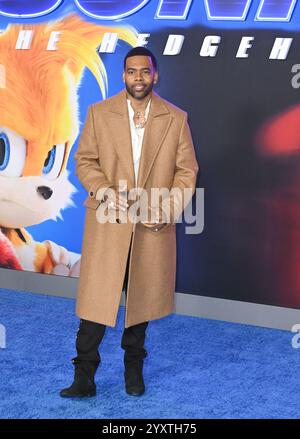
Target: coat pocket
column 92, row 203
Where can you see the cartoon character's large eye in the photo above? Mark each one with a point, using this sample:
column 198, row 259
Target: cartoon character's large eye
column 54, row 161
column 12, row 153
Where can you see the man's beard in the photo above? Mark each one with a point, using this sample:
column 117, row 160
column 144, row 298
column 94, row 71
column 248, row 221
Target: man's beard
column 140, row 95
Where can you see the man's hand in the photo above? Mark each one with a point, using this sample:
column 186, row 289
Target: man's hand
column 115, row 199
column 159, row 220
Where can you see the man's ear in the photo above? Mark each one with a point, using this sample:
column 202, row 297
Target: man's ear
column 155, row 77
column 123, row 76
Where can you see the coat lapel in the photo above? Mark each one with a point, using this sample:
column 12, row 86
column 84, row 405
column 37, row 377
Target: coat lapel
column 120, row 131
column 158, row 123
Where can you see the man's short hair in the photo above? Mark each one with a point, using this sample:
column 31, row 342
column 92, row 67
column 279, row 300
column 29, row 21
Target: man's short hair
column 140, row 50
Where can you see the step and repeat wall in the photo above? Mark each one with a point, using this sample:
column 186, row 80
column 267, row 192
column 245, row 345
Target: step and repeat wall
column 233, row 66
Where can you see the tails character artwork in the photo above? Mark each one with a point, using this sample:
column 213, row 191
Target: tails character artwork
column 39, row 123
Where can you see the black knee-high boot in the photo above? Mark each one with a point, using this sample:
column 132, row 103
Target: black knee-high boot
column 86, row 363
column 133, row 343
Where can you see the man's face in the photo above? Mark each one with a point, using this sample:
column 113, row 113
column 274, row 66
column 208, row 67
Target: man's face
column 139, row 76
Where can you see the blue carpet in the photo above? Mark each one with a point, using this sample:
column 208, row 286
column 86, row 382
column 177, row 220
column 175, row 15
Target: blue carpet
column 196, row 368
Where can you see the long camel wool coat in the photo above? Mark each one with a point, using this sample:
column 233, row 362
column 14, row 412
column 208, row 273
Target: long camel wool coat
column 103, row 158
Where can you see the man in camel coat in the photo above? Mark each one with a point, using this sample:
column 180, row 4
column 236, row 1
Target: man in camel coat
column 143, row 141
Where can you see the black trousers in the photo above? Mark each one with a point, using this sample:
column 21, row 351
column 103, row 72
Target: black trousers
column 90, row 335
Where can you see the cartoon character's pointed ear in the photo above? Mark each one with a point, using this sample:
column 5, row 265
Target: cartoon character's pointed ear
column 79, row 41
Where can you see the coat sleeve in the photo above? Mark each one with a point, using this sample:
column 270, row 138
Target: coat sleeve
column 88, row 167
column 185, row 175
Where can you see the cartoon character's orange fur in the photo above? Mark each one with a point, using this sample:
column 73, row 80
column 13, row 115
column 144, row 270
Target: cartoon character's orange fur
column 38, row 126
